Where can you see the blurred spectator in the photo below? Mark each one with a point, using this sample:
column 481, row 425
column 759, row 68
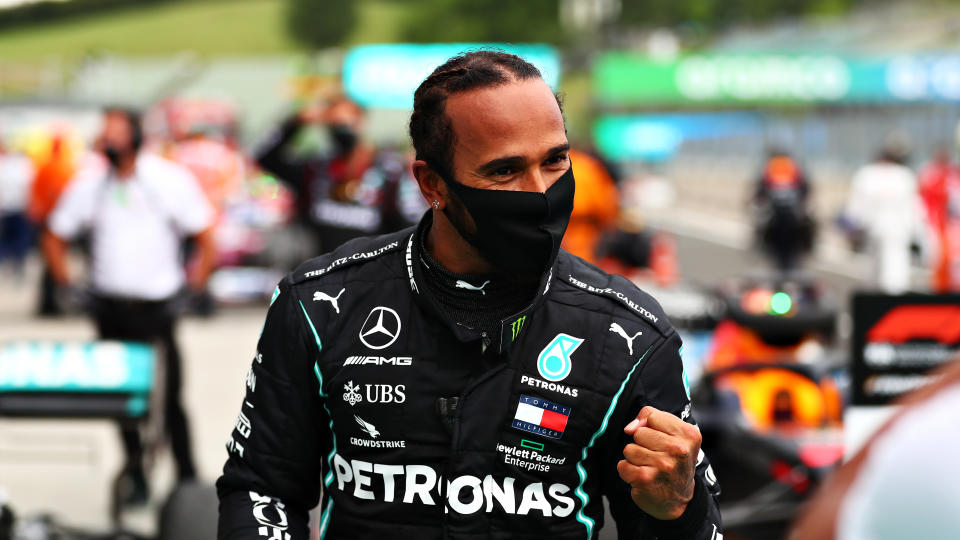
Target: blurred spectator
column 885, row 206
column 52, row 177
column 353, row 191
column 137, row 212
column 783, row 223
column 940, row 190
column 218, row 168
column 898, row 486
column 596, row 206
column 16, row 236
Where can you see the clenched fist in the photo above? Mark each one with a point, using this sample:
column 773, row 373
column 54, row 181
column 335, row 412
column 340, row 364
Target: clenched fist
column 660, row 462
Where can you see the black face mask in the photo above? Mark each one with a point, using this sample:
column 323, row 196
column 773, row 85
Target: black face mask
column 344, row 138
column 113, row 155
column 518, row 232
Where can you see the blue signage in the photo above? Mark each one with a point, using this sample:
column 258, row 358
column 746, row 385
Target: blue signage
column 656, row 137
column 386, row 76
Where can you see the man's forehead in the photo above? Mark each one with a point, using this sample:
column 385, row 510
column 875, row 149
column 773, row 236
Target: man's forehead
column 496, row 118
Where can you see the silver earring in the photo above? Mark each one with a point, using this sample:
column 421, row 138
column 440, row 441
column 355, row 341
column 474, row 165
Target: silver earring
column 436, row 204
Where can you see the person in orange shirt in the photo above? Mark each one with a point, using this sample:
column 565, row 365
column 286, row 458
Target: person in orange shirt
column 596, row 206
column 783, row 222
column 51, row 179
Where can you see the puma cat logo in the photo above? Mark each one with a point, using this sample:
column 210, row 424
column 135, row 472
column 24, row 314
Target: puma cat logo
column 617, row 329
column 320, row 295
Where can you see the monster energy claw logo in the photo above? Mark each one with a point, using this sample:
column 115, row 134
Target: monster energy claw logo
column 516, row 326
column 554, row 360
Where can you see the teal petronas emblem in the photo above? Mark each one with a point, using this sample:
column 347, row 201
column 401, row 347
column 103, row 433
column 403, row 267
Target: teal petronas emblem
column 554, row 360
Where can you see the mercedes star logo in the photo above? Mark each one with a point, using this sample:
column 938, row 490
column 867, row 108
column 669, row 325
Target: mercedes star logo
column 381, row 328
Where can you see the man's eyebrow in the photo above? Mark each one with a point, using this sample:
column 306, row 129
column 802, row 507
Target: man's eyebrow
column 495, row 164
column 559, row 148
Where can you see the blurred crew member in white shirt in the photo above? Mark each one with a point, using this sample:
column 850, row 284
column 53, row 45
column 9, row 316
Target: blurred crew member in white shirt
column 137, row 211
column 885, row 205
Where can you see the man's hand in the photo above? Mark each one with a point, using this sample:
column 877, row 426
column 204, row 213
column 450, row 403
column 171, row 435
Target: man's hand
column 660, row 463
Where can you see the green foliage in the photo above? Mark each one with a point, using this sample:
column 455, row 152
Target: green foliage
column 51, row 11
column 483, row 20
column 321, row 23
column 713, row 14
column 208, row 28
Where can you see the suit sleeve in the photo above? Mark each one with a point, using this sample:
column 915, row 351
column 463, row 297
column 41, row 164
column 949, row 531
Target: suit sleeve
column 661, row 383
column 272, row 475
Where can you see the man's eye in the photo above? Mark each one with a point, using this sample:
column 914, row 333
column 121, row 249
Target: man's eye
column 557, row 159
column 503, row 171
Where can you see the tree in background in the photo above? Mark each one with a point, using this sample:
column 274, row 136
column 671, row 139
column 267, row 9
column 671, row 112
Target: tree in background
column 318, row 24
column 483, row 20
column 715, row 15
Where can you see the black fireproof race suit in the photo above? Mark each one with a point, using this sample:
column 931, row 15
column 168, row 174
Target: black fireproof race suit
column 411, row 426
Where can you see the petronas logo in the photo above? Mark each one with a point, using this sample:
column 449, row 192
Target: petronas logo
column 516, row 326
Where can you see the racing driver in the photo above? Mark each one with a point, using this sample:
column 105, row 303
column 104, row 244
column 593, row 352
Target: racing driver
column 466, row 378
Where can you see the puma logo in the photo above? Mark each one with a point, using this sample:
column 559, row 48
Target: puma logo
column 320, row 295
column 461, row 284
column 617, row 329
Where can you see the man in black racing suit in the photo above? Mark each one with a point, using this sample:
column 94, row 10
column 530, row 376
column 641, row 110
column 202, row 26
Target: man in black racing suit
column 465, row 378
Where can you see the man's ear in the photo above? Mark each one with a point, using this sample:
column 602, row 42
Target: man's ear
column 432, row 187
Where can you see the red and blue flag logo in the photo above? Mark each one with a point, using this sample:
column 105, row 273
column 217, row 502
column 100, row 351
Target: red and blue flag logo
column 541, row 417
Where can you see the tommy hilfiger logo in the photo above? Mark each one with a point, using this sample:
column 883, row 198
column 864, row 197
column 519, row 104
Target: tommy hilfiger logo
column 541, row 417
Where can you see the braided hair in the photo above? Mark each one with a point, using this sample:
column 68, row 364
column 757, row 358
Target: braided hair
column 430, row 128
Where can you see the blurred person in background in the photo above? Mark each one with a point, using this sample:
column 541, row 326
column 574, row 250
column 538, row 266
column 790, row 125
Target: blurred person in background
column 901, row 484
column 940, row 191
column 220, row 170
column 350, row 192
column 137, row 210
column 884, row 206
column 201, row 137
column 783, row 224
column 596, row 206
column 53, row 175
column 16, row 232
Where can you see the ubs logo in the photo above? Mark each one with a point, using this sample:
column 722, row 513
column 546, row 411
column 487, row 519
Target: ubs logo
column 381, row 328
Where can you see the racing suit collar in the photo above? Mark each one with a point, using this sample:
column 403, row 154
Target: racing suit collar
column 511, row 328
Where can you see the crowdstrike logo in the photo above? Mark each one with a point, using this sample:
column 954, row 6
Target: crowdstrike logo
column 374, row 440
column 367, row 426
column 381, row 328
